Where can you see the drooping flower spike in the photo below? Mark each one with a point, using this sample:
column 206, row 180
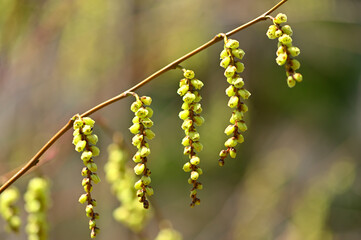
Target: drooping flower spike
column 230, row 57
column 36, row 204
column 286, row 51
column 188, row 89
column 84, row 141
column 141, row 129
column 121, row 177
column 8, row 209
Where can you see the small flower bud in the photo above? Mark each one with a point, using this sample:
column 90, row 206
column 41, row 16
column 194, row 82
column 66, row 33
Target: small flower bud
column 80, row 146
column 144, row 151
column 187, row 167
column 85, row 171
column 281, row 59
column 194, row 136
column 83, row 198
column 197, row 146
column 231, row 91
column 291, row 82
column 230, row 71
column 134, row 128
column 297, row 77
column 281, row 50
column 184, row 114
column 88, row 121
column 233, row 102
column 231, row 142
column 92, row 223
column 87, row 130
column 95, row 150
column 149, row 133
column 195, row 160
column 149, row 190
column 76, row 139
column 182, row 90
column 280, row 18
column 225, row 62
column 285, row 39
column 242, row 126
column 86, row 155
column 238, row 83
column 187, row 124
column 230, row 129
column 278, row 33
column 199, row 171
column 189, row 74
column 238, row 53
column 194, row 175
column 146, row 180
column 77, row 124
column 198, row 120
column 146, row 100
column 88, row 188
column 135, row 106
column 244, row 107
column 147, row 123
column 224, row 54
column 223, row 154
column 187, row 150
column 92, row 139
column 199, row 186
column 295, row 64
column 186, row 141
column 294, row 51
column 139, row 168
column 189, row 97
column 85, row 181
column 137, row 158
column 92, row 167
column 95, row 178
column 287, row 30
column 193, row 193
column 232, row 153
column 142, row 112
column 244, row 93
column 197, row 84
column 231, row 43
column 89, row 209
column 240, row 138
column 138, row 185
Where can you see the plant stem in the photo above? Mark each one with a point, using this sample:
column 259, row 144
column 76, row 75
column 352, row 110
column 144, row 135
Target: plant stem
column 35, row 159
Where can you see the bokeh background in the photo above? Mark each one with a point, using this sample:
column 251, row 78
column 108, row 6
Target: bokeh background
column 297, row 176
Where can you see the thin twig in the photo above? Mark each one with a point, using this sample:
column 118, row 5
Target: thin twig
column 35, row 159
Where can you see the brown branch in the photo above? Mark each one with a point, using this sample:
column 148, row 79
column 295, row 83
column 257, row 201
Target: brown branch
column 35, row 159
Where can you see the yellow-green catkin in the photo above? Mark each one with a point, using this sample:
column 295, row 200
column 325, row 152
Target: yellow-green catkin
column 84, row 141
column 168, row 234
column 121, row 178
column 190, row 114
column 286, row 52
column 141, row 130
column 236, row 92
column 36, row 204
column 8, row 209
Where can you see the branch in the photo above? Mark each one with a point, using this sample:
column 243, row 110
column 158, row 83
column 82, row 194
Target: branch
column 35, row 159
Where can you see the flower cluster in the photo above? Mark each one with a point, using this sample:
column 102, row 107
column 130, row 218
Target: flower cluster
column 141, row 130
column 188, row 87
column 286, row 51
column 84, row 141
column 236, row 93
column 8, row 209
column 36, row 204
column 122, row 178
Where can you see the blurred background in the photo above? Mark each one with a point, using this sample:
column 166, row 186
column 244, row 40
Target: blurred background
column 296, row 176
